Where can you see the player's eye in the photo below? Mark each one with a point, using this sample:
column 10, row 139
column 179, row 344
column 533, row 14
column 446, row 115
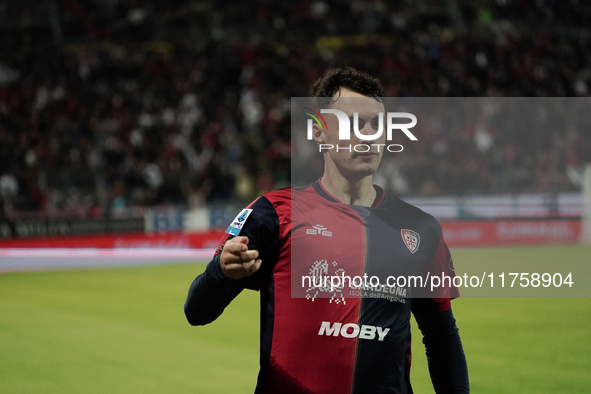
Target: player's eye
column 375, row 123
column 360, row 123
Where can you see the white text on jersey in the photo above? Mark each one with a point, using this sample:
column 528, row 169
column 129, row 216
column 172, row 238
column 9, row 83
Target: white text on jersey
column 352, row 330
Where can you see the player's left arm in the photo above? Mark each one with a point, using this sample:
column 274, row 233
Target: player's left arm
column 445, row 353
column 433, row 313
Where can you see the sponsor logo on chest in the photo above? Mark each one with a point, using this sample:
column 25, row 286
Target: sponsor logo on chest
column 352, row 330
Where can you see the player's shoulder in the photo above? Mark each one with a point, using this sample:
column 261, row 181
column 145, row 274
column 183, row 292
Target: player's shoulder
column 411, row 213
column 412, row 210
column 278, row 194
column 278, row 201
column 287, row 194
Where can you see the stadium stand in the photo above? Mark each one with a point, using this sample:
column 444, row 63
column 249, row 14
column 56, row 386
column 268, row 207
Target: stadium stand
column 108, row 104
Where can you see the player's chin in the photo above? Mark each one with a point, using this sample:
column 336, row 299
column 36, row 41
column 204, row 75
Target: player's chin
column 367, row 161
column 364, row 169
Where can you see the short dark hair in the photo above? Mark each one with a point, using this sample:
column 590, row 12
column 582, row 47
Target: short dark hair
column 324, row 88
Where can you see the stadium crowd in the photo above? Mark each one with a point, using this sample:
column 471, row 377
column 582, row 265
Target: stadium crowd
column 113, row 104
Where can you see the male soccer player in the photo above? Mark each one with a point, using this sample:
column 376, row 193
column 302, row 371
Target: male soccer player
column 344, row 344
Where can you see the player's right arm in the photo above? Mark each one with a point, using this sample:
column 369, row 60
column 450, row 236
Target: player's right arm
column 215, row 288
column 244, row 261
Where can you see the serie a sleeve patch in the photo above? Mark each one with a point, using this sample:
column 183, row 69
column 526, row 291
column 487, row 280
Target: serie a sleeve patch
column 238, row 222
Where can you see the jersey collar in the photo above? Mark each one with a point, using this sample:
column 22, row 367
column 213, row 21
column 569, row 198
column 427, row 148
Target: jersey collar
column 380, row 194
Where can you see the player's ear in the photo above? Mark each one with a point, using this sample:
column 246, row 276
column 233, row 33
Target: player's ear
column 317, row 134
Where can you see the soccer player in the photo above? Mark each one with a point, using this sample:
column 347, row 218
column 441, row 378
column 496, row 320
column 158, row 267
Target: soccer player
column 344, row 344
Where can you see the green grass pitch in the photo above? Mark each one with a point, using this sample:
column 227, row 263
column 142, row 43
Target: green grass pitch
column 123, row 331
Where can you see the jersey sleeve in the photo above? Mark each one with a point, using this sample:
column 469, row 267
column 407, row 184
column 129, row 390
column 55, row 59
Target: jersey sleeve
column 212, row 291
column 442, row 273
column 445, row 353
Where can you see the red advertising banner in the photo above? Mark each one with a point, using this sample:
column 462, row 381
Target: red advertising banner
column 457, row 234
column 510, row 232
column 198, row 240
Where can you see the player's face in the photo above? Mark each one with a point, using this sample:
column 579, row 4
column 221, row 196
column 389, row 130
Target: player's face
column 355, row 158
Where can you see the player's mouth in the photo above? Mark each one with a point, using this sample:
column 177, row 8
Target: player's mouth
column 365, row 155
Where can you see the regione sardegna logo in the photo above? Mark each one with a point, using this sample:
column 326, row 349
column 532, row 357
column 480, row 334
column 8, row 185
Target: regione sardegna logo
column 345, row 130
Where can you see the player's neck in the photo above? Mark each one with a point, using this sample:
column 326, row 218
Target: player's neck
column 354, row 192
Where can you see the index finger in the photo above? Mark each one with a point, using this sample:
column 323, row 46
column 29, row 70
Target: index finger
column 243, row 239
column 236, row 247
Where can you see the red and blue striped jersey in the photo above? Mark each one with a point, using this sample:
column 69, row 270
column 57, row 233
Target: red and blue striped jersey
column 348, row 343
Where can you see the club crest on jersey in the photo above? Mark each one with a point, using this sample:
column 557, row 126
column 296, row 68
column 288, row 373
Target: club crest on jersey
column 411, row 239
column 238, row 222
